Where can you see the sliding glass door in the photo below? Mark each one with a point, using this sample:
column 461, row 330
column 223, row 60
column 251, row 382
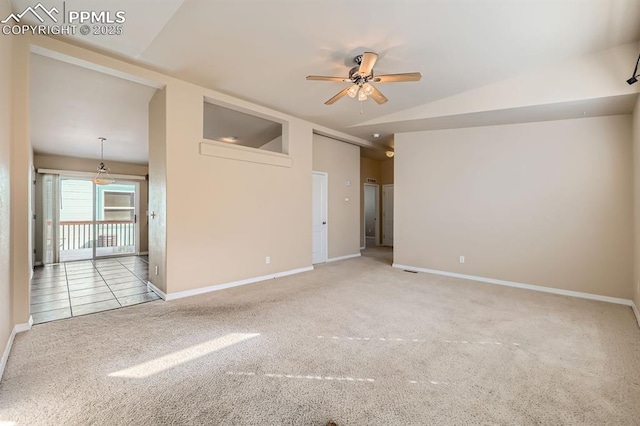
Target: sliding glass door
column 92, row 220
column 76, row 219
column 50, row 221
column 116, row 219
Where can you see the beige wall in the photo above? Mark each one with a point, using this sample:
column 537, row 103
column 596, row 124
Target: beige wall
column 369, row 168
column 6, row 310
column 636, row 192
column 386, row 178
column 56, row 162
column 547, row 204
column 157, row 189
column 274, row 146
column 21, row 166
column 239, row 211
column 341, row 161
column 386, row 172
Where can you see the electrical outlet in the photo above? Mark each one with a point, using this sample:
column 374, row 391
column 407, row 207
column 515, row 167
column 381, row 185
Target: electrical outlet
column 156, row 269
column 461, row 259
column 267, row 260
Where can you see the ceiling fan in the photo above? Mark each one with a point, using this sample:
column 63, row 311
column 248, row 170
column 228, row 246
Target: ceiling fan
column 362, row 76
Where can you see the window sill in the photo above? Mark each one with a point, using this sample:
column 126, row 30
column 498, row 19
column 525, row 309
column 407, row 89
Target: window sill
column 243, row 153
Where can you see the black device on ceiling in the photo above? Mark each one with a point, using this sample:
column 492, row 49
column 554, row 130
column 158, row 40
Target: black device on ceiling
column 635, row 75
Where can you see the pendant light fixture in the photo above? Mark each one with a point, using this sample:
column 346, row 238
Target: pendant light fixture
column 102, row 177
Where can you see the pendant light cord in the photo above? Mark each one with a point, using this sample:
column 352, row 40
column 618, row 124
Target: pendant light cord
column 102, row 149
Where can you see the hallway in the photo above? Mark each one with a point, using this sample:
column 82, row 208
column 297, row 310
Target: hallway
column 382, row 254
column 72, row 289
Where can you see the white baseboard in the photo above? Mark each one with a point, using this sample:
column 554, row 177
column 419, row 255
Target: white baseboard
column 156, row 290
column 635, row 311
column 572, row 293
column 349, row 256
column 18, row 328
column 7, row 350
column 217, row 287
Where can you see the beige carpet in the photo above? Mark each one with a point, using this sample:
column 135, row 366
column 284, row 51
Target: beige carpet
column 356, row 342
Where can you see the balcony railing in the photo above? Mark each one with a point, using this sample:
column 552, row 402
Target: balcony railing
column 76, row 235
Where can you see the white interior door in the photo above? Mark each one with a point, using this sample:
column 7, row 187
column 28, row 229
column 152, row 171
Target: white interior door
column 319, row 224
column 371, row 209
column 387, row 215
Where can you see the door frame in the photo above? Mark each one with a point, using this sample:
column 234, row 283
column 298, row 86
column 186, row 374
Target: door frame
column 33, row 223
column 383, row 212
column 325, row 175
column 364, row 215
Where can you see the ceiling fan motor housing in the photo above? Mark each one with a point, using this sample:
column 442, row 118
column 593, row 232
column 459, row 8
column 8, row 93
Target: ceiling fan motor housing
column 357, row 78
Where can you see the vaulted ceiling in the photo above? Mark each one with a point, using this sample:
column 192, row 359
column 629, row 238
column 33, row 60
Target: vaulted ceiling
column 465, row 49
column 71, row 107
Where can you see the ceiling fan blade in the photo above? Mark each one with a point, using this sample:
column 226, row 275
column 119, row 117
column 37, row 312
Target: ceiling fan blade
column 338, row 96
column 378, row 96
column 368, row 61
column 323, row 78
column 393, row 78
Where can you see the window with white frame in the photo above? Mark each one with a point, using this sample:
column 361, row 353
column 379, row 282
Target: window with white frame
column 118, row 205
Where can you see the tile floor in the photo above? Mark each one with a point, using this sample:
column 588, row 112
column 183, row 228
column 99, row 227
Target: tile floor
column 78, row 288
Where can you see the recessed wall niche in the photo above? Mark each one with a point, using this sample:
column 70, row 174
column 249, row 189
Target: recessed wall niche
column 237, row 128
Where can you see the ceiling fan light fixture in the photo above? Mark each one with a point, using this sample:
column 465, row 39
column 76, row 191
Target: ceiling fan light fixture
column 361, row 76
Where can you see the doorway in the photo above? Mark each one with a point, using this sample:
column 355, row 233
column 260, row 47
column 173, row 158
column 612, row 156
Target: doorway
column 387, row 215
column 89, row 221
column 371, row 212
column 319, row 217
